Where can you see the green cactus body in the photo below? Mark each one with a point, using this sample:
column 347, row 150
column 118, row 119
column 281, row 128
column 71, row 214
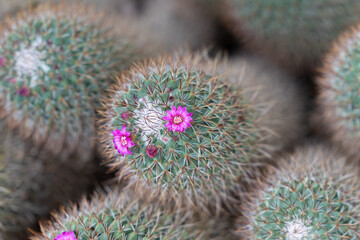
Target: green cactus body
column 201, row 155
column 339, row 93
column 296, row 33
column 222, row 129
column 306, row 203
column 115, row 216
column 55, row 64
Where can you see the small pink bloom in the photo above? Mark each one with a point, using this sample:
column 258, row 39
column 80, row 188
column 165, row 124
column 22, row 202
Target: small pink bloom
column 122, row 141
column 12, row 80
column 24, row 91
column 2, row 61
column 151, row 151
column 66, row 236
column 178, row 119
column 125, row 115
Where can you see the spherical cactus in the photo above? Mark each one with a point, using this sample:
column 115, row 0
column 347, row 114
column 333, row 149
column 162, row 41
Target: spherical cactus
column 182, row 123
column 313, row 195
column 339, row 88
column 55, row 63
column 31, row 185
column 295, row 33
column 117, row 215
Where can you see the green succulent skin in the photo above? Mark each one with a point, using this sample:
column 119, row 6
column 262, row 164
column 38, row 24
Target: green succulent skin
column 116, row 215
column 56, row 69
column 298, row 33
column 203, row 153
column 319, row 207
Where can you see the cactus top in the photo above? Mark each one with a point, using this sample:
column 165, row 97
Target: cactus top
column 315, row 201
column 191, row 129
column 115, row 215
column 296, row 32
column 340, row 87
column 54, row 64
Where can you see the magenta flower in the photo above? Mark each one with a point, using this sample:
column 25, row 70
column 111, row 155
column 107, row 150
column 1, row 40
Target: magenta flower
column 178, row 119
column 122, row 141
column 24, row 91
column 151, row 151
column 2, row 61
column 125, row 115
column 66, row 236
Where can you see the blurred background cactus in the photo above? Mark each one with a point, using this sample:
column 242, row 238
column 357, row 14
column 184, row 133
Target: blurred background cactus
column 115, row 215
column 56, row 61
column 339, row 100
column 313, row 195
column 294, row 33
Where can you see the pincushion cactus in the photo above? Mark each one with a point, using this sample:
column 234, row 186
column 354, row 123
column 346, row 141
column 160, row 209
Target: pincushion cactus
column 313, row 195
column 295, row 33
column 31, row 184
column 56, row 61
column 177, row 123
column 339, row 94
column 117, row 215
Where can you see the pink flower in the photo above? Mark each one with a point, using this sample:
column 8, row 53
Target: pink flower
column 125, row 115
column 122, row 141
column 151, row 151
column 2, row 61
column 178, row 119
column 24, row 91
column 66, row 236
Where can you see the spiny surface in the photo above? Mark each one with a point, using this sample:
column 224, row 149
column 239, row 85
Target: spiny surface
column 55, row 64
column 217, row 135
column 314, row 195
column 303, row 210
column 114, row 216
column 296, row 32
column 339, row 91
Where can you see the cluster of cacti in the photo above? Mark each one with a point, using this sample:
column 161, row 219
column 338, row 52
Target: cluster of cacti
column 118, row 215
column 55, row 63
column 295, row 33
column 200, row 144
column 313, row 195
column 339, row 93
column 186, row 122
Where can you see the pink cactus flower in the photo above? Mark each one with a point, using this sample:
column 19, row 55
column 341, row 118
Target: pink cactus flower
column 125, row 115
column 2, row 61
column 122, row 141
column 178, row 119
column 66, row 236
column 151, row 151
column 24, row 91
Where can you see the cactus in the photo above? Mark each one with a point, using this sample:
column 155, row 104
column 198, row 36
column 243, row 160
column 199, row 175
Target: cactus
column 313, row 195
column 116, row 215
column 177, row 123
column 339, row 93
column 31, row 184
column 55, row 63
column 295, row 33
